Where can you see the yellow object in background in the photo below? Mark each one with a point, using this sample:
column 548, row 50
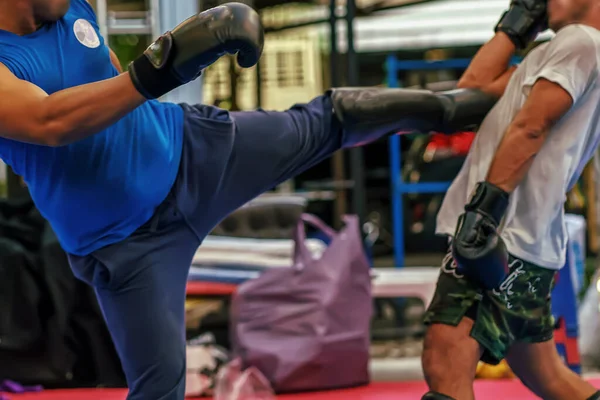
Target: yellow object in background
column 500, row 371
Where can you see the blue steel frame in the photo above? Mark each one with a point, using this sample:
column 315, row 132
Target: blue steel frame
column 398, row 186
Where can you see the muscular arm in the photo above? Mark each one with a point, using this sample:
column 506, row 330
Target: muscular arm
column 489, row 70
column 546, row 104
column 569, row 68
column 28, row 114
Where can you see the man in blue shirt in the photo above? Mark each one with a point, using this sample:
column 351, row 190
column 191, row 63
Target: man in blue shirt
column 131, row 186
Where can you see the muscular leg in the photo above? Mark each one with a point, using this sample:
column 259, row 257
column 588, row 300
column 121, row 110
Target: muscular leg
column 230, row 158
column 140, row 284
column 450, row 358
column 464, row 327
column 541, row 369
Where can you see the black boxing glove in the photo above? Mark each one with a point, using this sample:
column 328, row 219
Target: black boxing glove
column 179, row 56
column 523, row 21
column 478, row 249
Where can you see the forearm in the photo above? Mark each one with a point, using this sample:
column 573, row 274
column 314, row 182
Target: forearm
column 74, row 114
column 515, row 156
column 490, row 63
column 498, row 87
column 546, row 104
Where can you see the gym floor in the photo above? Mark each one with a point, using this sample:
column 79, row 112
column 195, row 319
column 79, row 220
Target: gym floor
column 484, row 390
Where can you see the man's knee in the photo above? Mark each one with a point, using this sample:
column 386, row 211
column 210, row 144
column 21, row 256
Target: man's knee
column 317, row 121
column 435, row 358
column 444, row 344
column 450, row 355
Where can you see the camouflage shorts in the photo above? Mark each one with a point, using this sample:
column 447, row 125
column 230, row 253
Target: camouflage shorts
column 519, row 311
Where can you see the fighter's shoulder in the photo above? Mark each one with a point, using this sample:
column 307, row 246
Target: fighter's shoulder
column 577, row 38
column 84, row 6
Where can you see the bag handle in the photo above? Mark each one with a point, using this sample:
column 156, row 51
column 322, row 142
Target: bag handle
column 316, row 222
column 352, row 222
column 301, row 252
column 244, row 381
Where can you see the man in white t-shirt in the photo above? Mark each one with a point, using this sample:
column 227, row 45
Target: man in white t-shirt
column 504, row 211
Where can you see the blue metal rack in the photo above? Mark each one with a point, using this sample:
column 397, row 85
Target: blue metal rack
column 399, row 187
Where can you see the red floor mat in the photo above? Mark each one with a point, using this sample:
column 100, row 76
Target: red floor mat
column 485, row 390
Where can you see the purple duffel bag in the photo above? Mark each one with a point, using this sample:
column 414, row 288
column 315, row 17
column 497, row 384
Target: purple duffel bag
column 307, row 327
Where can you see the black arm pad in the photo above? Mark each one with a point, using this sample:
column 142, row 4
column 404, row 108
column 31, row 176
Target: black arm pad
column 403, row 110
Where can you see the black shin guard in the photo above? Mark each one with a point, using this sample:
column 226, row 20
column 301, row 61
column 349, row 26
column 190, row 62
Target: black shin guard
column 436, row 396
column 369, row 114
column 596, row 396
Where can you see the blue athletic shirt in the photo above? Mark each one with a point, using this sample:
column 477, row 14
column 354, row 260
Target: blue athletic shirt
column 100, row 190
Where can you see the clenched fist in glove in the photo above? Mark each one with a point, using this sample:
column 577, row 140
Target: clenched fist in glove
column 477, row 247
column 179, row 56
column 523, row 21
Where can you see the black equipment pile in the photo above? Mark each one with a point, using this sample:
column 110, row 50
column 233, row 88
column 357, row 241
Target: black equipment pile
column 51, row 327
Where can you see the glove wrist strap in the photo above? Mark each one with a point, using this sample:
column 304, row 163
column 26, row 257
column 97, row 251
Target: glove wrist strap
column 490, row 200
column 151, row 72
column 517, row 25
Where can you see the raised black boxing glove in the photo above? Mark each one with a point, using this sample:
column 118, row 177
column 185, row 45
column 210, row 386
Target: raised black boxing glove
column 523, row 21
column 478, row 250
column 179, row 56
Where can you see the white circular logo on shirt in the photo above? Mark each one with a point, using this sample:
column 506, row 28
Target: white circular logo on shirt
column 86, row 34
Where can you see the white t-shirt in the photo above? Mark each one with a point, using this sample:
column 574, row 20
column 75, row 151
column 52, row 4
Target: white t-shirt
column 534, row 225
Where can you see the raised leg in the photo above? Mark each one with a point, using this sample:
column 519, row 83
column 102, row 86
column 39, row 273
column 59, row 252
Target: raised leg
column 230, row 158
column 271, row 147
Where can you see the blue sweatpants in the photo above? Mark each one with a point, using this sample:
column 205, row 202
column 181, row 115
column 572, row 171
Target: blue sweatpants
column 228, row 159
